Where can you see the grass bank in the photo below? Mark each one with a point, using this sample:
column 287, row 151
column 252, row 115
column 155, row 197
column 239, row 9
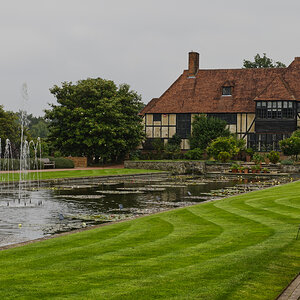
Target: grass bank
column 242, row 247
column 74, row 173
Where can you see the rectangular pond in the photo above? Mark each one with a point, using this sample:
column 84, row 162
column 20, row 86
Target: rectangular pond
column 69, row 205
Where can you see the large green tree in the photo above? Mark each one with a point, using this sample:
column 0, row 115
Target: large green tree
column 10, row 129
column 37, row 126
column 262, row 62
column 95, row 118
column 205, row 129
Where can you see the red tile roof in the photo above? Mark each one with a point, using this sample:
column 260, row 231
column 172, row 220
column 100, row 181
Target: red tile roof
column 277, row 89
column 203, row 93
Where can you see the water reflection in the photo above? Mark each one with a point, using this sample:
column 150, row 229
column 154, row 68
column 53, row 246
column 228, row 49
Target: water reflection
column 61, row 208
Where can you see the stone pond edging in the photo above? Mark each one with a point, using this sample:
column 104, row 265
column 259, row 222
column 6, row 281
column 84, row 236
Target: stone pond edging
column 87, row 179
column 176, row 167
column 198, row 167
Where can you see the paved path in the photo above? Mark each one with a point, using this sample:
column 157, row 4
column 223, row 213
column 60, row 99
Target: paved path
column 292, row 292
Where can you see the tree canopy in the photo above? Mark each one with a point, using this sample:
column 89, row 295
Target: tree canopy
column 10, row 128
column 262, row 62
column 95, row 118
column 222, row 144
column 291, row 146
column 37, row 126
column 205, row 129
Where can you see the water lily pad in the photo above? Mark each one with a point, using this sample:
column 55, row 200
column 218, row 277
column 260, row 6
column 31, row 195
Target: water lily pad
column 81, row 196
column 120, row 192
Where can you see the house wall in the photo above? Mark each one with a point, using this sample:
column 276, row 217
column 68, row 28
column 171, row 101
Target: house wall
column 163, row 129
column 166, row 128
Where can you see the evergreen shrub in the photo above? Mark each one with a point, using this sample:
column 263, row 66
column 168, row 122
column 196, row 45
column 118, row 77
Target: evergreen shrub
column 224, row 156
column 62, row 163
column 274, row 157
column 194, row 154
column 287, row 162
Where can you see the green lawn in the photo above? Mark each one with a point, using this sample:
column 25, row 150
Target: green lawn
column 242, row 247
column 75, row 173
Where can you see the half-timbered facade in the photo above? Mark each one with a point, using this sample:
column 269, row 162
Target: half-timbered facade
column 259, row 105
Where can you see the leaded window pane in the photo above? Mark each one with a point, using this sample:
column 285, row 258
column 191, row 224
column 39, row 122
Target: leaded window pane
column 183, row 125
column 156, row 117
column 226, row 90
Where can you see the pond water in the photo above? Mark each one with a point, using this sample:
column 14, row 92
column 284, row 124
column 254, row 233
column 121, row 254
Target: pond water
column 72, row 205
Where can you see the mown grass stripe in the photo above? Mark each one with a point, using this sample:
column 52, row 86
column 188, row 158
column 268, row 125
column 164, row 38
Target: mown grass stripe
column 242, row 247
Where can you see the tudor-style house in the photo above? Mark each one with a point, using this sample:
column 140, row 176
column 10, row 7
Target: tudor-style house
column 259, row 105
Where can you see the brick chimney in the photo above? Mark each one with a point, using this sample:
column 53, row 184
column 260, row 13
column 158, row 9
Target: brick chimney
column 193, row 63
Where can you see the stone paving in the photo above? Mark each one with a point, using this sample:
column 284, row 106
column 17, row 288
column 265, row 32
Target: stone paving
column 292, row 292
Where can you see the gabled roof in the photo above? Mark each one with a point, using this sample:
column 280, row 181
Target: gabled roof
column 203, row 93
column 278, row 89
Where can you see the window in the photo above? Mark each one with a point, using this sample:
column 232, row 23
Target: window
column 156, row 117
column 275, row 109
column 226, row 91
column 183, row 125
column 265, row 141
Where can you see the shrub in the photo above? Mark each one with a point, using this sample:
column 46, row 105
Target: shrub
column 172, row 152
column 296, row 133
column 172, row 149
column 175, row 140
column 274, row 157
column 234, row 167
column 224, row 156
column 206, row 129
column 158, row 146
column 62, row 163
column 287, row 162
column 57, row 154
column 290, row 146
column 223, row 144
column 249, row 151
column 257, row 158
column 135, row 155
column 14, row 164
column 194, row 154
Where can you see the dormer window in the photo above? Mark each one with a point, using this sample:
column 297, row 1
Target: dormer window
column 226, row 90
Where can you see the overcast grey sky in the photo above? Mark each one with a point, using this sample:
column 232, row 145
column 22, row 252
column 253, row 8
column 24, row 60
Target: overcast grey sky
column 142, row 43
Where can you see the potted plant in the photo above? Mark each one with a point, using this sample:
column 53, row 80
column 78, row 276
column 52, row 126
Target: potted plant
column 258, row 168
column 249, row 154
column 253, row 169
column 265, row 170
column 258, row 158
column 246, row 170
column 274, row 157
column 267, row 159
column 240, row 169
column 234, row 168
